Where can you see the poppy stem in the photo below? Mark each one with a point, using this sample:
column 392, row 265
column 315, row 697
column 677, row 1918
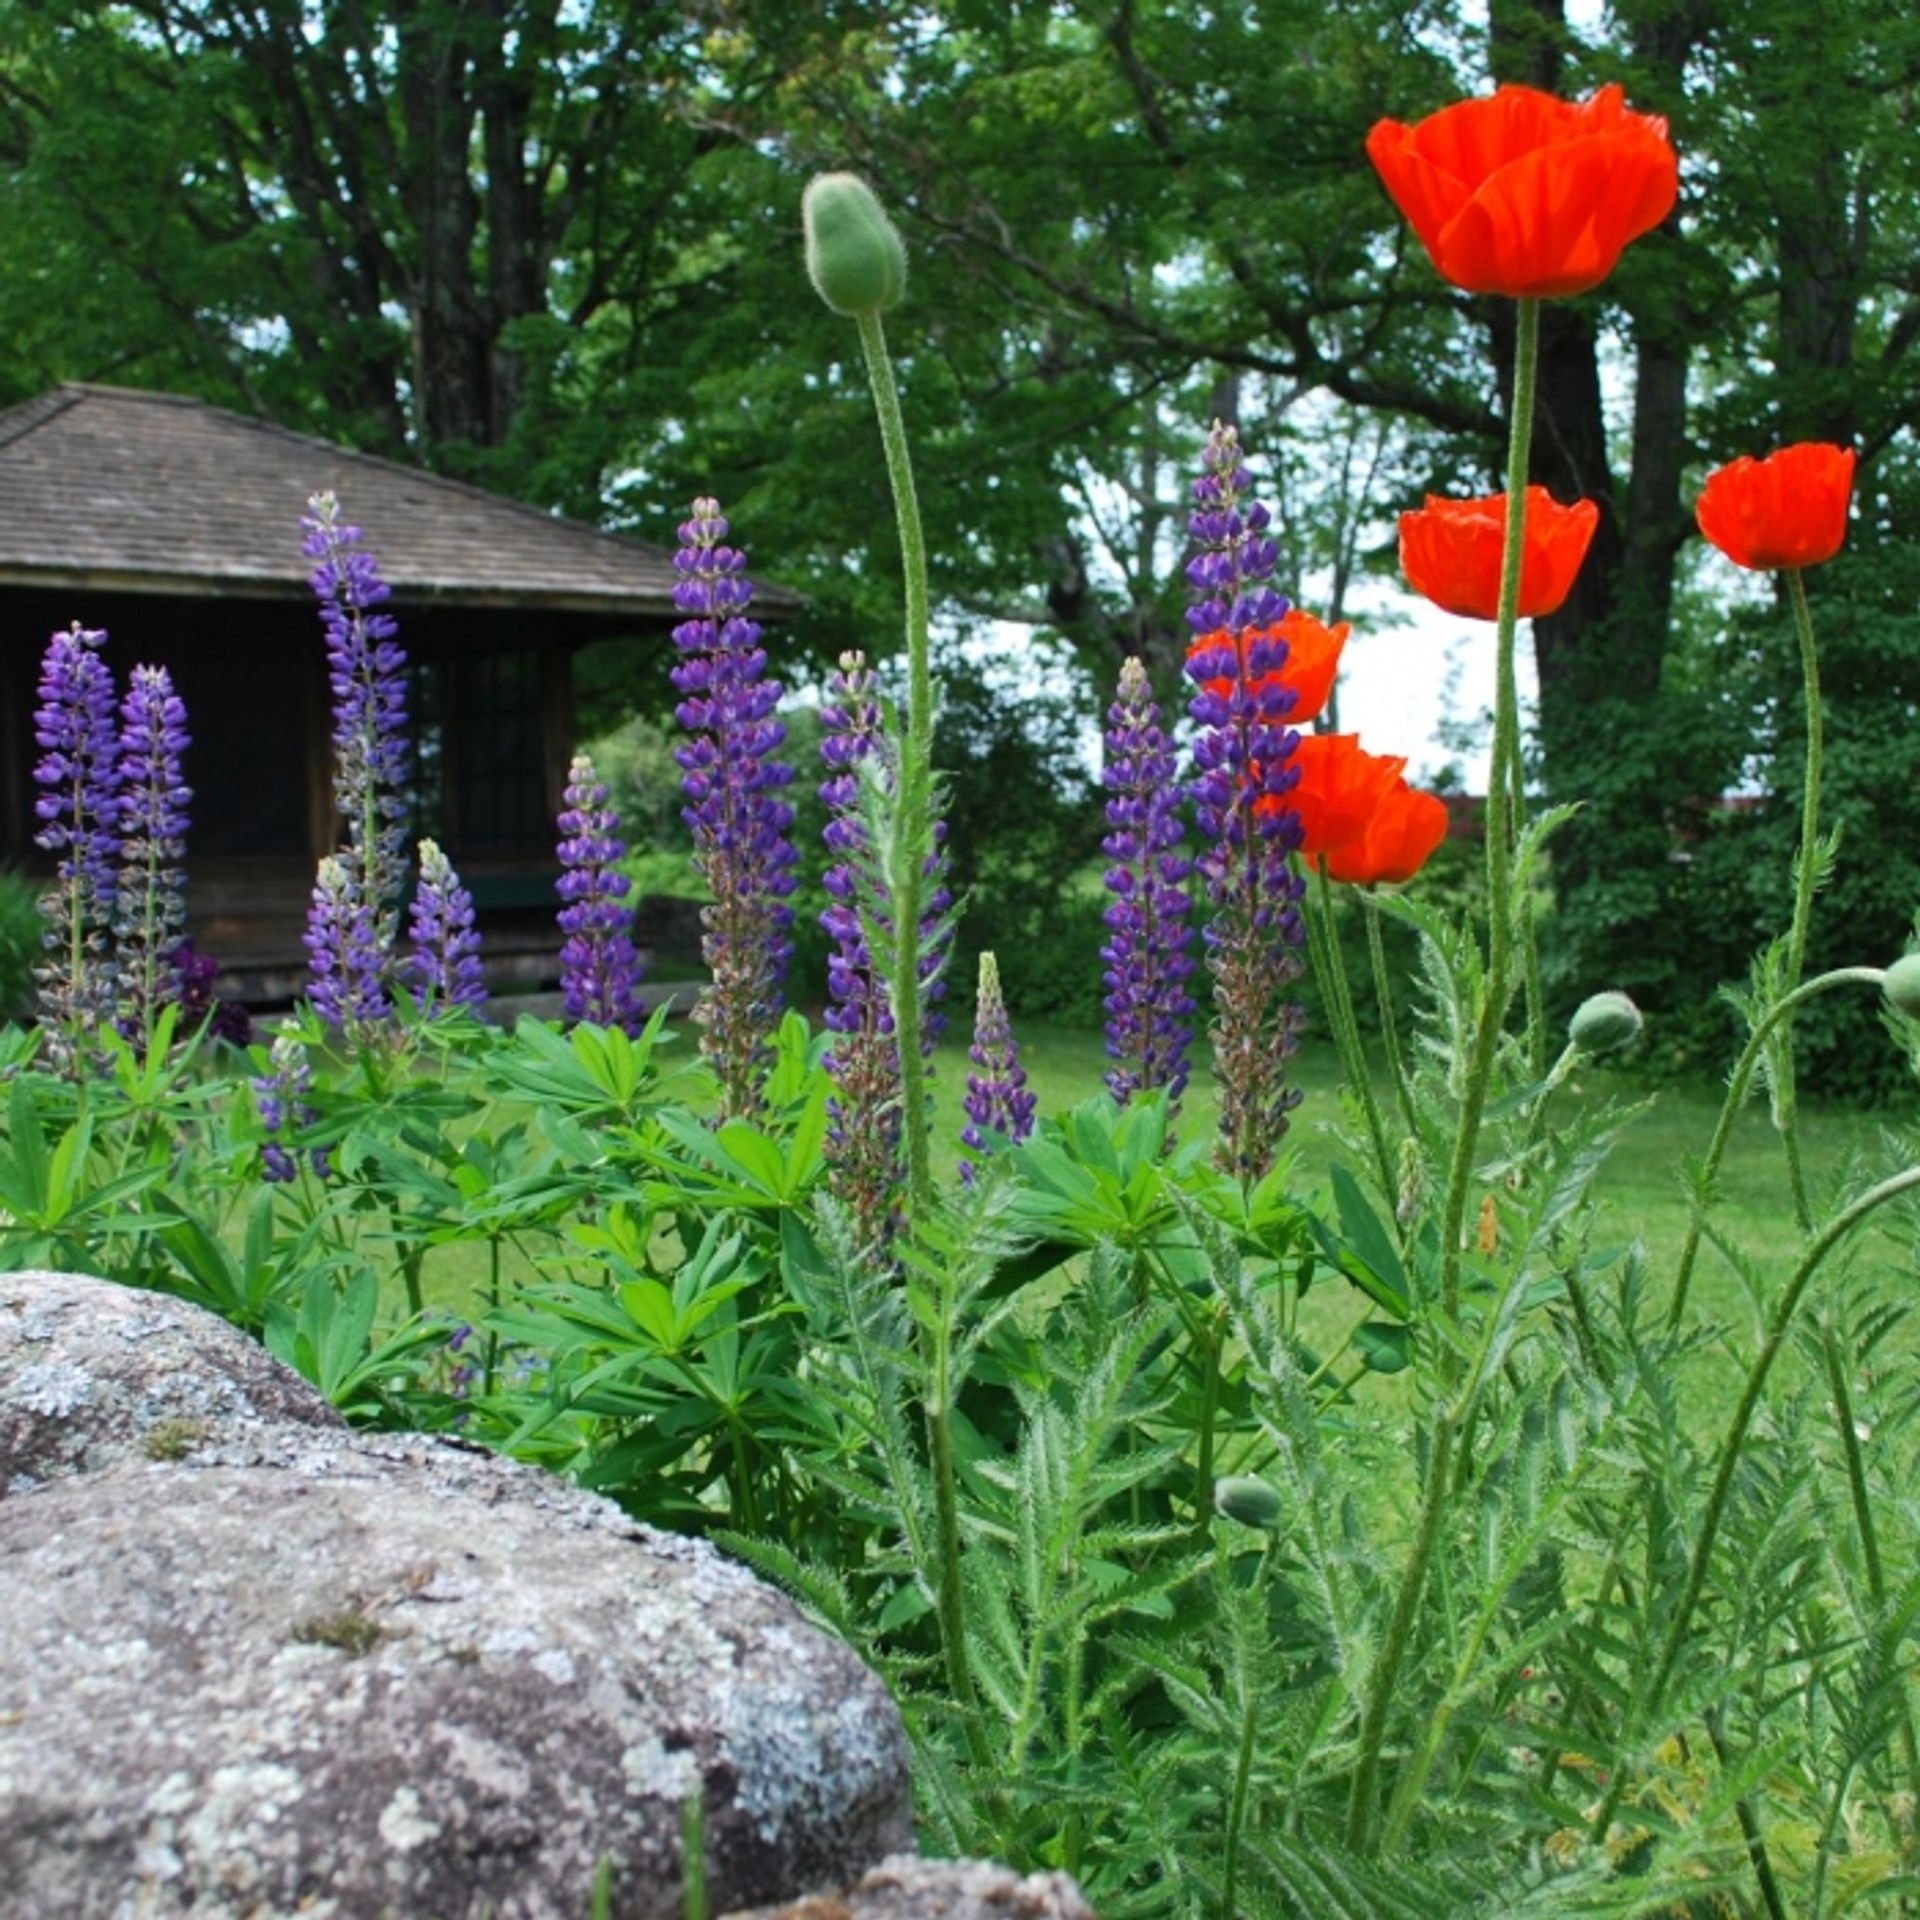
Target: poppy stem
column 906, row 883
column 1330, row 961
column 1537, row 1042
column 1806, row 880
column 1497, row 989
column 1389, row 1026
column 915, row 838
column 1707, row 1177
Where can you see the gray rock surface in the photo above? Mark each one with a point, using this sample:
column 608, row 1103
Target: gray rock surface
column 906, row 1888
column 274, row 1667
column 91, row 1373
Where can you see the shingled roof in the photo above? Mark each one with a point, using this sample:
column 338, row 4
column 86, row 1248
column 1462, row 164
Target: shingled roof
column 152, row 492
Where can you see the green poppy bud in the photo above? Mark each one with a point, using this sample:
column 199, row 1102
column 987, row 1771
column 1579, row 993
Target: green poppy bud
column 1251, row 1502
column 854, row 255
column 1903, row 985
column 1606, row 1021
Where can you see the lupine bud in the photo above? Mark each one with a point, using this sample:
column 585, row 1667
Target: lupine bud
column 855, row 259
column 1903, row 985
column 1606, row 1021
column 1251, row 1502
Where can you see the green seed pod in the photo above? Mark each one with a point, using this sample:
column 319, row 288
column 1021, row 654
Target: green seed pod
column 1251, row 1502
column 1903, row 985
column 854, row 255
column 1606, row 1021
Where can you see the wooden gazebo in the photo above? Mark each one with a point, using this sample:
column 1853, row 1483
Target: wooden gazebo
column 176, row 527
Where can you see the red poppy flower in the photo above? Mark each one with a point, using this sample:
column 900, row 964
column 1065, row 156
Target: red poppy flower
column 1527, row 195
column 1406, row 827
column 1450, row 551
column 1313, row 659
column 1788, row 510
column 1340, row 790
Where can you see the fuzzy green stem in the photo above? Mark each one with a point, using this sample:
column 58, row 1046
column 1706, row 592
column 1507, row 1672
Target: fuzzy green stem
column 1842, row 1391
column 1737, row 1083
column 950, row 1600
column 1413, row 1581
column 1389, row 1025
column 913, row 848
column 1506, row 720
column 915, row 840
column 693, row 1855
column 1751, row 1830
column 1242, row 1770
column 1806, row 876
column 1331, row 965
column 1208, row 1346
column 1536, row 992
column 1778, row 1327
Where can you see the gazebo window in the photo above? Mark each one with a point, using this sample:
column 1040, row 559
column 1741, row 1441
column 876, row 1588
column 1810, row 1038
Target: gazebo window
column 495, row 758
column 426, row 740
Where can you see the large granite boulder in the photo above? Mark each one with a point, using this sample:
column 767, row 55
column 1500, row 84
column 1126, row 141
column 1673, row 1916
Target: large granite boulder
column 255, row 1664
column 91, row 1373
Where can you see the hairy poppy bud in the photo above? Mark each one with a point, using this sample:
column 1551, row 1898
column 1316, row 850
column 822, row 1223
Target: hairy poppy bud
column 1606, row 1021
column 854, row 255
column 1251, row 1502
column 1903, row 985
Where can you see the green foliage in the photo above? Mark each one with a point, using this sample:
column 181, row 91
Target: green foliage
column 22, row 928
column 1175, row 1707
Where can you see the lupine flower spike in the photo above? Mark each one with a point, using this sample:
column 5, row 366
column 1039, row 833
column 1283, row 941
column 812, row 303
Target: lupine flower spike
column 1243, row 755
column 366, row 670
column 150, row 908
column 998, row 1100
column 599, row 967
column 733, row 781
column 344, row 954
column 445, row 966
column 78, row 809
column 1149, row 1009
column 280, row 1096
column 865, row 1160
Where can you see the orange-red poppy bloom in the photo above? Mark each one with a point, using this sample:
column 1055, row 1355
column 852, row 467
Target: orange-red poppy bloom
column 1406, row 827
column 1340, row 789
column 1450, row 551
column 1313, row 659
column 1527, row 195
column 1788, row 510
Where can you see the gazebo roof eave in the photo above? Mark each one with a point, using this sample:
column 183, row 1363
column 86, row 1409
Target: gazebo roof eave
column 419, row 593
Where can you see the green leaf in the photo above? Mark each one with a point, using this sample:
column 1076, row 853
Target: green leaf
column 1385, row 1345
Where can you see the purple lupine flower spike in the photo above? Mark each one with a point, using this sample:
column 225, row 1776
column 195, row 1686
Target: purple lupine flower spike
column 598, row 965
column 150, row 908
column 79, row 776
column 864, row 1144
column 280, row 1097
column 1242, row 755
column 366, row 670
column 344, row 952
column 1149, row 1008
column 998, row 1100
column 732, row 781
column 445, row 966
